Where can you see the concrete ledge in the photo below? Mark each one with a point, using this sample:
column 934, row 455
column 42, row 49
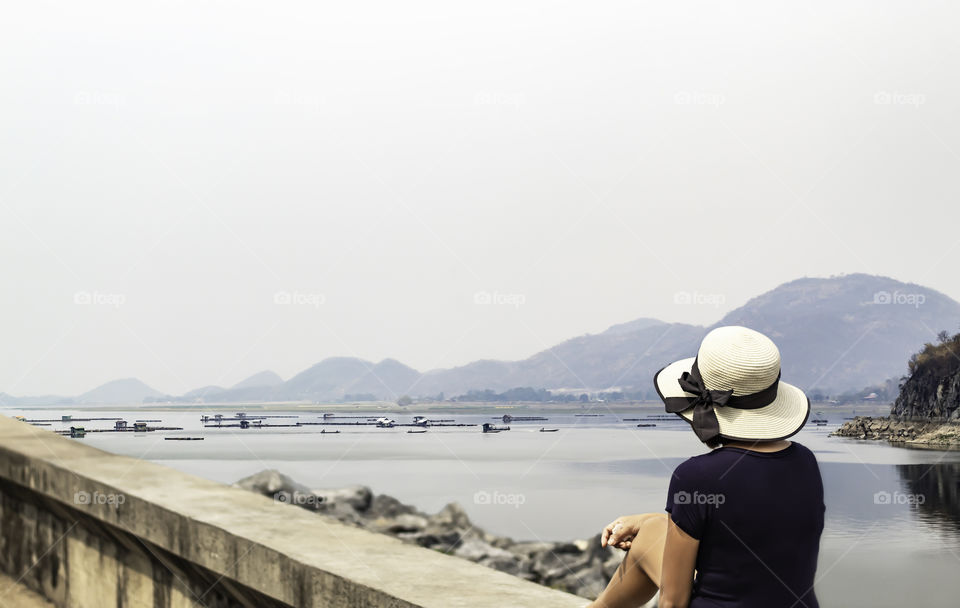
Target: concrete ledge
column 82, row 523
column 15, row 595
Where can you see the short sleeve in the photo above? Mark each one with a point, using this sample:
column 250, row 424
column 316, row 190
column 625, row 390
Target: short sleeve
column 683, row 500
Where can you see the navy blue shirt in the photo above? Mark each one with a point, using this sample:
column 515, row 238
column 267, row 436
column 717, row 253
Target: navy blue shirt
column 758, row 517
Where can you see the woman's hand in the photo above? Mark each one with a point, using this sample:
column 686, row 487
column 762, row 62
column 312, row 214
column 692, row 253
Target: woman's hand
column 620, row 532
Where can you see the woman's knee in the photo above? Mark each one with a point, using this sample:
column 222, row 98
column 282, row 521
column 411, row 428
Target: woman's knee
column 646, row 549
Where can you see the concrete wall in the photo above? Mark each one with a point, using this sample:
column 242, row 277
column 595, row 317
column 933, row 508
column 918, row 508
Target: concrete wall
column 85, row 528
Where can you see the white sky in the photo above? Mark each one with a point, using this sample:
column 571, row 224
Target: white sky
column 382, row 163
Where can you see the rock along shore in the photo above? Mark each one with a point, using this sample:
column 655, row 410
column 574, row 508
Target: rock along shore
column 917, row 432
column 581, row 567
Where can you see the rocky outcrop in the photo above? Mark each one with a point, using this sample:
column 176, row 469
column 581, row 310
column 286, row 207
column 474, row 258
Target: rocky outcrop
column 931, row 393
column 927, row 409
column 918, row 432
column 582, row 567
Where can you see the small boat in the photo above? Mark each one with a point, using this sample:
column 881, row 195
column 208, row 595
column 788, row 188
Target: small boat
column 819, row 420
column 543, row 430
column 417, row 431
column 644, row 424
column 183, row 438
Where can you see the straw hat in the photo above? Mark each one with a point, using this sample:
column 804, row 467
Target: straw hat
column 732, row 389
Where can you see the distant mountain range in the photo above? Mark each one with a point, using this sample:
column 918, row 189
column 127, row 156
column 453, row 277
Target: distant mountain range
column 835, row 334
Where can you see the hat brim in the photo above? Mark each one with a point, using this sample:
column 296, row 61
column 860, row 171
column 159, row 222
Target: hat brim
column 783, row 418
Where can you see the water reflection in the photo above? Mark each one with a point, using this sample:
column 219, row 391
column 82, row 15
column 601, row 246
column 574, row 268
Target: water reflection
column 933, row 491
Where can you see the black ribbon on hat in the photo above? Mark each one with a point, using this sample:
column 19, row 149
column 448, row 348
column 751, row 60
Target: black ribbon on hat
column 704, row 402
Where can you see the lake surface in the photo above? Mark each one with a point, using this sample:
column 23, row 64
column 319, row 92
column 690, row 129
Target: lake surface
column 892, row 534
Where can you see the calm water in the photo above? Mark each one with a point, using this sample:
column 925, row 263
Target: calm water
column 892, row 534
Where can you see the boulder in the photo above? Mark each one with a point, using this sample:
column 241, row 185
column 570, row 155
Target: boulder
column 276, row 485
column 387, row 506
column 585, row 582
column 475, row 549
column 271, row 482
column 504, row 563
column 441, row 540
column 358, row 497
column 405, row 522
column 552, row 566
column 530, row 548
column 453, row 516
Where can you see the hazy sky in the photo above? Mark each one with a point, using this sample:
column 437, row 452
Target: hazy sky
column 195, row 191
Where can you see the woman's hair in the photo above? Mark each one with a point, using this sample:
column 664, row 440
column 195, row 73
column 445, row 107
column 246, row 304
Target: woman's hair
column 718, row 442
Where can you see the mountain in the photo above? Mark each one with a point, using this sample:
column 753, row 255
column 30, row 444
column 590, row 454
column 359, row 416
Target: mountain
column 617, row 357
column 632, row 326
column 835, row 335
column 126, row 390
column 847, row 332
column 10, row 400
column 204, row 393
column 337, row 377
column 264, row 378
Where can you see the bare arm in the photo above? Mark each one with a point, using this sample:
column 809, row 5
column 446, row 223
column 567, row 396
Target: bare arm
column 679, row 562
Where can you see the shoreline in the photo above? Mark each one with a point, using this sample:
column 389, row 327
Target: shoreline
column 929, row 434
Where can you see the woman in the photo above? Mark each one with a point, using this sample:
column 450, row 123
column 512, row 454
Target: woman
column 745, row 519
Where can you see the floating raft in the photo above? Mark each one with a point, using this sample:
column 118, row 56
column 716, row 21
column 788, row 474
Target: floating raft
column 67, row 419
column 239, row 417
column 508, row 418
column 376, row 424
column 493, row 428
column 80, row 431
